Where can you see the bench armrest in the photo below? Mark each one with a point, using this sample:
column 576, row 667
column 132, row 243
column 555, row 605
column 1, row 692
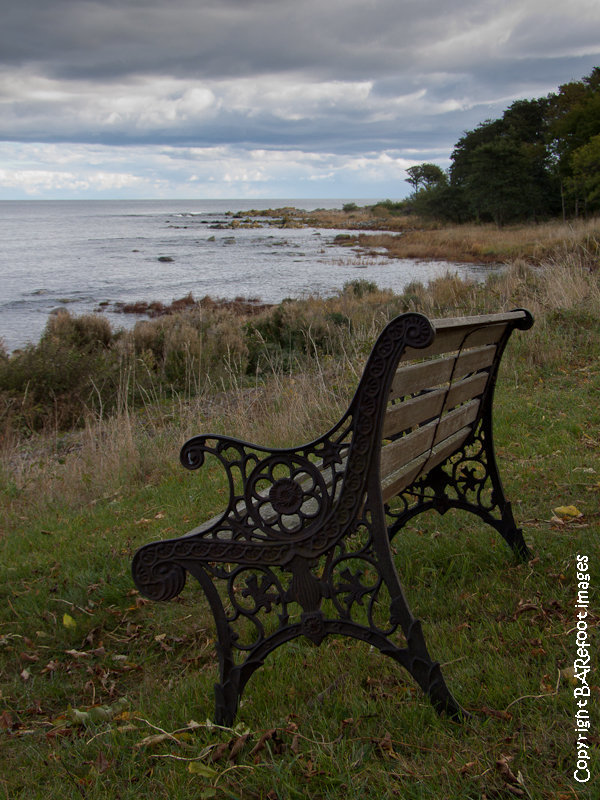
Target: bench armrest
column 272, row 491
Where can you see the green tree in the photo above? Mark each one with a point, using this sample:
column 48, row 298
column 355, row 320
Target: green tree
column 585, row 163
column 426, row 175
column 503, row 166
column 542, row 156
column 442, row 202
column 573, row 121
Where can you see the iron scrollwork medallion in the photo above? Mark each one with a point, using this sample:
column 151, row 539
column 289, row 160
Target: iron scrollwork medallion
column 286, row 494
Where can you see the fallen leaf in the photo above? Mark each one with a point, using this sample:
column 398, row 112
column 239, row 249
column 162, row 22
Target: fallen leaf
column 198, row 768
column 568, row 511
column 6, row 721
column 569, row 675
column 506, row 772
column 30, row 657
column 260, row 745
column 101, row 763
column 96, row 714
column 68, row 621
column 155, row 738
column 492, row 712
column 77, row 653
column 237, row 746
column 220, row 751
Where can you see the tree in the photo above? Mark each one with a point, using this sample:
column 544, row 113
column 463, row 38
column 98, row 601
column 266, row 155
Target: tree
column 503, row 166
column 573, row 121
column 425, row 176
column 585, row 163
column 541, row 156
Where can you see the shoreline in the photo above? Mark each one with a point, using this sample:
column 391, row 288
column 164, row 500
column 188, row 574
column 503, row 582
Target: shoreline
column 386, row 227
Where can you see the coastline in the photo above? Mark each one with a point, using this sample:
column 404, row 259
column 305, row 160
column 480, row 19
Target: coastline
column 92, row 257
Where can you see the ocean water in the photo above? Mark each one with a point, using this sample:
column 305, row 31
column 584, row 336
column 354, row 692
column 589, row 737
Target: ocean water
column 88, row 256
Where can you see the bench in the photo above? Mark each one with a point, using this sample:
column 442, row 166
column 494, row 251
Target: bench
column 303, row 546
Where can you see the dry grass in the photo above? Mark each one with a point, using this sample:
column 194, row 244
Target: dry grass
column 287, row 405
column 488, row 243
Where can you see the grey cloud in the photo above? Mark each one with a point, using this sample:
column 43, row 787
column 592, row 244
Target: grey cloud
column 338, row 38
column 322, row 76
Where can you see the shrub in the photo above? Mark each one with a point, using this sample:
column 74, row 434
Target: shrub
column 360, row 287
column 87, row 333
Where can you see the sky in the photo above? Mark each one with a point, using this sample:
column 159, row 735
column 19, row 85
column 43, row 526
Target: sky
column 216, row 99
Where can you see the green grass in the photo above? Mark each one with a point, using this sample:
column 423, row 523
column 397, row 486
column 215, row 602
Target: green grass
column 339, row 721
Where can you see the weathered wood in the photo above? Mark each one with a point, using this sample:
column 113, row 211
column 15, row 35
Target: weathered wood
column 399, row 480
column 400, row 452
column 423, row 407
column 458, row 338
column 411, row 378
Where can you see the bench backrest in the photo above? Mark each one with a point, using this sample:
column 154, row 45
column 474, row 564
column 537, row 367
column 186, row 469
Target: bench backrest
column 439, row 393
column 424, row 388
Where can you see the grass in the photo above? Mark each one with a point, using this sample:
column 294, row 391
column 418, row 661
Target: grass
column 486, row 243
column 339, row 721
column 408, row 236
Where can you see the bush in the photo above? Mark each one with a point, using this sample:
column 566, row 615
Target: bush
column 393, row 207
column 360, row 287
column 86, row 333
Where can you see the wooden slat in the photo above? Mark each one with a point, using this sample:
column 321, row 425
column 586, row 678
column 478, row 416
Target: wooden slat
column 403, row 477
column 452, row 339
column 467, row 389
column 395, row 454
column 459, row 417
column 412, row 412
column 412, row 378
column 420, row 441
column 445, row 323
column 421, row 408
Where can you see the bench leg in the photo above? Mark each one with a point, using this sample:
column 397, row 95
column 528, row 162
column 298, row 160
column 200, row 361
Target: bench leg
column 228, row 691
column 428, row 673
column 415, row 656
column 470, row 481
column 341, row 581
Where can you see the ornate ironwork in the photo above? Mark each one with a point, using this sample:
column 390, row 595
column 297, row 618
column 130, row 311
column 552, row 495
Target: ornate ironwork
column 302, row 547
column 468, row 481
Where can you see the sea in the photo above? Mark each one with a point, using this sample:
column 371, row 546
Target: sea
column 89, row 256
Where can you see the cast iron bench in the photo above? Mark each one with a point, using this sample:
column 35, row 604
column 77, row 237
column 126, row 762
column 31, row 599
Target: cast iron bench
column 303, row 545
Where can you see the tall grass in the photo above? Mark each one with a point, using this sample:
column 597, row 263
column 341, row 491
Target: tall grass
column 281, row 377
column 487, row 243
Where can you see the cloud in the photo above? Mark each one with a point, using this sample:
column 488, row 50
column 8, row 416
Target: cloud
column 345, row 79
column 202, row 172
